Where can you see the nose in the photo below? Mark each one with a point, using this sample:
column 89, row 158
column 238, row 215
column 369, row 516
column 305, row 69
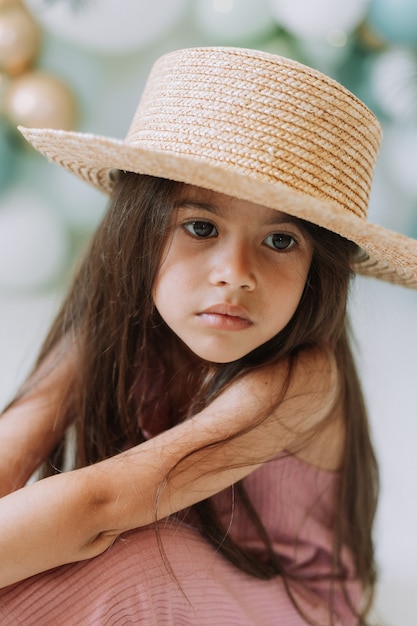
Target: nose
column 233, row 266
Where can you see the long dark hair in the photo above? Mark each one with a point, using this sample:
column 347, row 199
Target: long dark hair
column 109, row 325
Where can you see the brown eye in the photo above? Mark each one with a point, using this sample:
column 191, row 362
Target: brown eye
column 280, row 241
column 201, row 229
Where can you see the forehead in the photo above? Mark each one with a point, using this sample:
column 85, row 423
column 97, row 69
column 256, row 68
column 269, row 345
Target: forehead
column 216, row 202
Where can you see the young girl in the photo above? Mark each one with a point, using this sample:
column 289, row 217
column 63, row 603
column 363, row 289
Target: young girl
column 198, row 380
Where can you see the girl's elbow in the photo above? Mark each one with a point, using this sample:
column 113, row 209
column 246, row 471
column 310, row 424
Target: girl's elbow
column 98, row 544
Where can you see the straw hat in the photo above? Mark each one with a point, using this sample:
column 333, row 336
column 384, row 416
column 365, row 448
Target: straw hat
column 258, row 127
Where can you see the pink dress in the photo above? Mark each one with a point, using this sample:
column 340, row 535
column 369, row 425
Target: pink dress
column 131, row 584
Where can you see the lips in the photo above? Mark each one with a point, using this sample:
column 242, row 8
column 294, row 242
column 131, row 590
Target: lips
column 231, row 310
column 226, row 317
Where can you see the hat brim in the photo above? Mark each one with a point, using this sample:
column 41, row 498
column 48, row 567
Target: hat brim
column 386, row 255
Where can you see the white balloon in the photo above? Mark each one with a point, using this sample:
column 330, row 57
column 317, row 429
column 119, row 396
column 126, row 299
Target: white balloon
column 390, row 206
column 81, row 206
column 394, row 83
column 400, row 156
column 108, row 26
column 319, row 18
column 33, row 244
column 324, row 56
column 234, row 20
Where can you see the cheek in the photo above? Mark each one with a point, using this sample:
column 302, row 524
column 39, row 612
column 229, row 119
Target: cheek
column 169, row 288
column 292, row 275
column 303, row 271
column 160, row 292
column 162, row 300
column 288, row 292
column 165, row 275
column 159, row 289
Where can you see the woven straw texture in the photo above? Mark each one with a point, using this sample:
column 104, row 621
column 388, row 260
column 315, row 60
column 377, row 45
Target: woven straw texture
column 256, row 126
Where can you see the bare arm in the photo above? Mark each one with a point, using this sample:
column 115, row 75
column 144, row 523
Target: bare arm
column 77, row 515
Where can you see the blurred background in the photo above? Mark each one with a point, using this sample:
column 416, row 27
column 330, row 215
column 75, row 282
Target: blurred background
column 82, row 64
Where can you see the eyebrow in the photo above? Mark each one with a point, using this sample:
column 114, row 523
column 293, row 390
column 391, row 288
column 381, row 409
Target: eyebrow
column 276, row 218
column 282, row 218
column 197, row 204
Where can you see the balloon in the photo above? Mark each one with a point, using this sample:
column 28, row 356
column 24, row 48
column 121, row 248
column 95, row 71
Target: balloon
column 33, row 244
column 8, row 153
column 355, row 74
column 109, row 26
column 394, row 20
column 394, row 83
column 39, row 100
column 234, row 20
column 19, row 38
column 325, row 55
column 368, row 38
column 319, row 18
column 389, row 206
column 400, row 156
column 283, row 44
column 81, row 206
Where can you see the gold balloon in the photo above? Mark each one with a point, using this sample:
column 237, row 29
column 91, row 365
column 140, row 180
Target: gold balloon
column 19, row 38
column 39, row 100
column 370, row 39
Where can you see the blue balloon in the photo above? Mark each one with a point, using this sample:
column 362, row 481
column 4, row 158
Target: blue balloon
column 395, row 21
column 8, row 155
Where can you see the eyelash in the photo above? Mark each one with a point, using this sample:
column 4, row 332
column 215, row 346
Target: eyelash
column 188, row 226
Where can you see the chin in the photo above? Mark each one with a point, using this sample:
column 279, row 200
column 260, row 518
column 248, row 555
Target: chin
column 215, row 351
column 213, row 356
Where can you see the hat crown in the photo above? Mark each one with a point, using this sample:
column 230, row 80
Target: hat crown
column 266, row 117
